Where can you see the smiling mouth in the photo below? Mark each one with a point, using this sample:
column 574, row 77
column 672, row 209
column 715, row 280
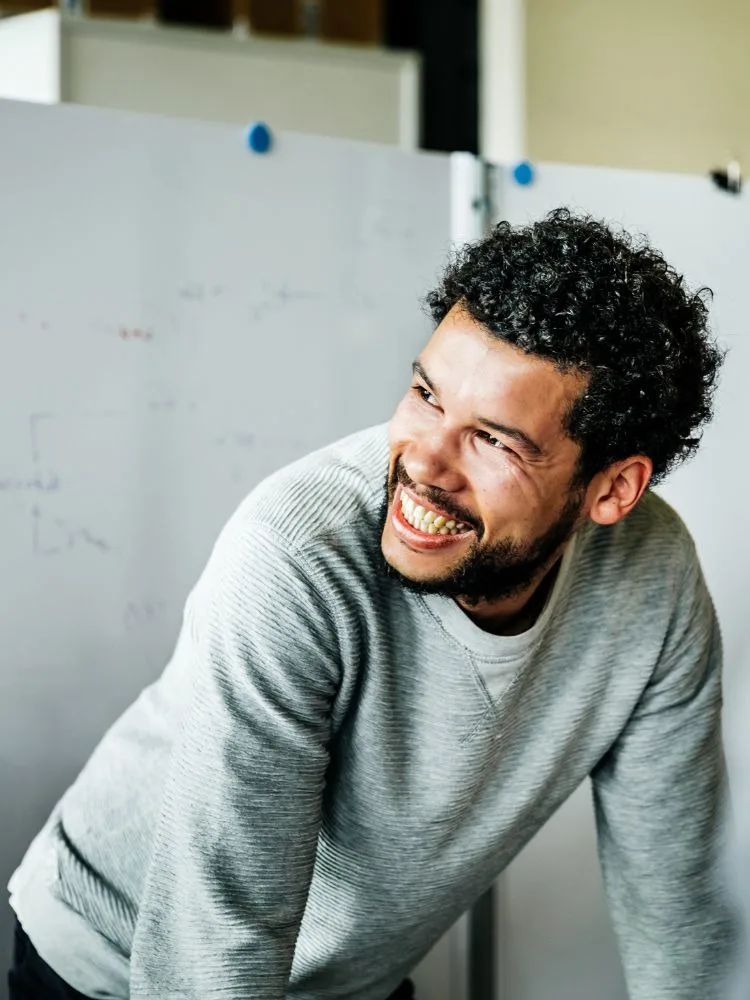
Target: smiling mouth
column 425, row 527
column 428, row 520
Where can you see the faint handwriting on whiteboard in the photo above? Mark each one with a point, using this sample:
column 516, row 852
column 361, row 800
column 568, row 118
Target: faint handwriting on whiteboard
column 51, row 536
column 276, row 298
column 140, row 614
column 135, row 333
column 31, row 484
column 196, row 291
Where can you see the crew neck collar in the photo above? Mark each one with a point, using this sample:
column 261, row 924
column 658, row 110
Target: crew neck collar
column 459, row 625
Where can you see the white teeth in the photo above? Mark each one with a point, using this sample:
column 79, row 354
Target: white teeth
column 427, row 521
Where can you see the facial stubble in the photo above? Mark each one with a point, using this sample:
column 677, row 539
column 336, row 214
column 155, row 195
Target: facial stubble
column 489, row 573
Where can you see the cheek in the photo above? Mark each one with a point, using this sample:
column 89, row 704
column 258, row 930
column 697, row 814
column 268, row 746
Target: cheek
column 498, row 480
column 507, row 497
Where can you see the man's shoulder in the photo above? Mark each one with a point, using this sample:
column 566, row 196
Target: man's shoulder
column 325, row 493
column 641, row 578
column 657, row 517
column 652, row 543
column 300, row 548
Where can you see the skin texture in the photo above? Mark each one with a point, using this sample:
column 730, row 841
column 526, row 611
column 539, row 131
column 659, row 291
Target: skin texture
column 522, row 503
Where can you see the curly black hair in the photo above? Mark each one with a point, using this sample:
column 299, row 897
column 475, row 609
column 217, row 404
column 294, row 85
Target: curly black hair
column 571, row 289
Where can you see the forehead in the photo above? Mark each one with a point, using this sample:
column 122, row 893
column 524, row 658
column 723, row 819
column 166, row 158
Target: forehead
column 489, row 378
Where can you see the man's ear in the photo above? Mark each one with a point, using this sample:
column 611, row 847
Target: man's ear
column 614, row 492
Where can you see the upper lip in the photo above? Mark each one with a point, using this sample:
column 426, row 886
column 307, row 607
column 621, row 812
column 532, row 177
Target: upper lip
column 424, row 502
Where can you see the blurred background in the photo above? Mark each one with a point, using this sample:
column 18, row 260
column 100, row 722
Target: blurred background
column 652, row 86
column 656, row 87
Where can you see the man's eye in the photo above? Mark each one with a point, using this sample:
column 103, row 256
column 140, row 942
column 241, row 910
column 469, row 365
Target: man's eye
column 494, row 442
column 425, row 395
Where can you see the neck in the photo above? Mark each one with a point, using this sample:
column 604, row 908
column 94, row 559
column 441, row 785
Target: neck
column 518, row 612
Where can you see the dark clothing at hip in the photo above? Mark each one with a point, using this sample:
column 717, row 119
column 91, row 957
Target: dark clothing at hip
column 30, row 978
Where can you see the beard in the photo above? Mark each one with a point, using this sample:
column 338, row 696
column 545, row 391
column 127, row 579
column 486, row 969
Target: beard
column 485, row 573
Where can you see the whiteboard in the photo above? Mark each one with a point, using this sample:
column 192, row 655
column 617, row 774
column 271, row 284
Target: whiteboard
column 179, row 317
column 559, row 941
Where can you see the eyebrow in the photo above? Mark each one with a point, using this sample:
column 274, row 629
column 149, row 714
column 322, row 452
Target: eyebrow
column 515, row 433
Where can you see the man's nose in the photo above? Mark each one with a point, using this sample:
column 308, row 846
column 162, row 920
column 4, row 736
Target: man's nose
column 433, row 461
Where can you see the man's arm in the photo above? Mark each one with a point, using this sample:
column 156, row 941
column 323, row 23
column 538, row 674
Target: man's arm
column 236, row 839
column 659, row 796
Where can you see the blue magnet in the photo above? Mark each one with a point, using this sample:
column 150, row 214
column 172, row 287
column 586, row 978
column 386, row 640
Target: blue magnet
column 523, row 173
column 259, row 138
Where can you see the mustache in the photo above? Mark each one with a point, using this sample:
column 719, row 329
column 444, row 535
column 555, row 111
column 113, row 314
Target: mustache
column 434, row 496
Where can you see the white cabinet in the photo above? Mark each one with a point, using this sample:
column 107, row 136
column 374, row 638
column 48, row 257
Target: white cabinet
column 298, row 85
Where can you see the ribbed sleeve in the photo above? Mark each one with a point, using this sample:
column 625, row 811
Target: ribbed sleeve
column 235, row 843
column 659, row 796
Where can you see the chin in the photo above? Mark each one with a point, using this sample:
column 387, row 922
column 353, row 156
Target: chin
column 427, row 568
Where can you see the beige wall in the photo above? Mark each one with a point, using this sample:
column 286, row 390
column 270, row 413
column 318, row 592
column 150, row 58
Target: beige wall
column 654, row 84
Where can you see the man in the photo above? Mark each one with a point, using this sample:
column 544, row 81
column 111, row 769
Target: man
column 738, row 852
column 379, row 695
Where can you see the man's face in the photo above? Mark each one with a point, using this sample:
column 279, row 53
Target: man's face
column 480, row 461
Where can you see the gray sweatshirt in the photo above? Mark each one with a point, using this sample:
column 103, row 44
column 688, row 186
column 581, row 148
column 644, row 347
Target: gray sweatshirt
column 331, row 769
